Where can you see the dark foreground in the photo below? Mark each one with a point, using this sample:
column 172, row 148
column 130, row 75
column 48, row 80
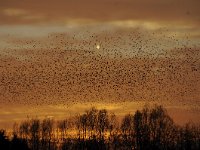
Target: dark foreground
column 150, row 128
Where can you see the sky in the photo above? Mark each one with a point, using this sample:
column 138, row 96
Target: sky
column 60, row 57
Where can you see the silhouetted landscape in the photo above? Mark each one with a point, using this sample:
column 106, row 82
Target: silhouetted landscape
column 149, row 128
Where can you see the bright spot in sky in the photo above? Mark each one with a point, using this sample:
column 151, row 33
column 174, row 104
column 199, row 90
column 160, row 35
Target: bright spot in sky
column 98, row 46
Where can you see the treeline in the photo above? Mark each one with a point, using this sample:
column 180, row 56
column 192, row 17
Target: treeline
column 150, row 128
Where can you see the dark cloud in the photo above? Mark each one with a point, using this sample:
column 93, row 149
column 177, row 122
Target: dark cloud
column 62, row 11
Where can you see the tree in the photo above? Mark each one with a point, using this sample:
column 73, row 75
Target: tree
column 35, row 133
column 102, row 123
column 83, row 122
column 113, row 124
column 18, row 143
column 24, row 130
column 161, row 127
column 127, row 128
column 63, row 126
column 47, row 132
column 92, row 121
column 138, row 129
column 149, row 128
column 4, row 142
column 191, row 136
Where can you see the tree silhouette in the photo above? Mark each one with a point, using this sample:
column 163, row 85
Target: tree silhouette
column 18, row 143
column 127, row 128
column 63, row 126
column 47, row 133
column 102, row 123
column 24, row 130
column 149, row 128
column 92, row 122
column 15, row 143
column 4, row 142
column 138, row 129
column 35, row 133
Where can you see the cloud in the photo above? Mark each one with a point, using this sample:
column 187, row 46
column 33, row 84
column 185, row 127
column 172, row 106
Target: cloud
column 182, row 11
column 14, row 12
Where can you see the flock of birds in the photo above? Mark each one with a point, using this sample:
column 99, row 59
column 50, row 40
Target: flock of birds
column 105, row 67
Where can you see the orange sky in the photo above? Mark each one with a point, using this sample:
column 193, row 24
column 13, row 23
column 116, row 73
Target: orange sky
column 149, row 53
column 61, row 11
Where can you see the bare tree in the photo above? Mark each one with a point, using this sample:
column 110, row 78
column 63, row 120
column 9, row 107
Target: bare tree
column 47, row 132
column 149, row 128
column 92, row 121
column 24, row 130
column 83, row 123
column 103, row 123
column 138, row 129
column 63, row 126
column 127, row 128
column 35, row 133
column 161, row 127
column 113, row 124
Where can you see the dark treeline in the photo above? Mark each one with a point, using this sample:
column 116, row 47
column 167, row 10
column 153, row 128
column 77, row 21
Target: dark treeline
column 150, row 128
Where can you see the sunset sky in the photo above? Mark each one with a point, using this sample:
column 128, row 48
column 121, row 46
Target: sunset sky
column 60, row 57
